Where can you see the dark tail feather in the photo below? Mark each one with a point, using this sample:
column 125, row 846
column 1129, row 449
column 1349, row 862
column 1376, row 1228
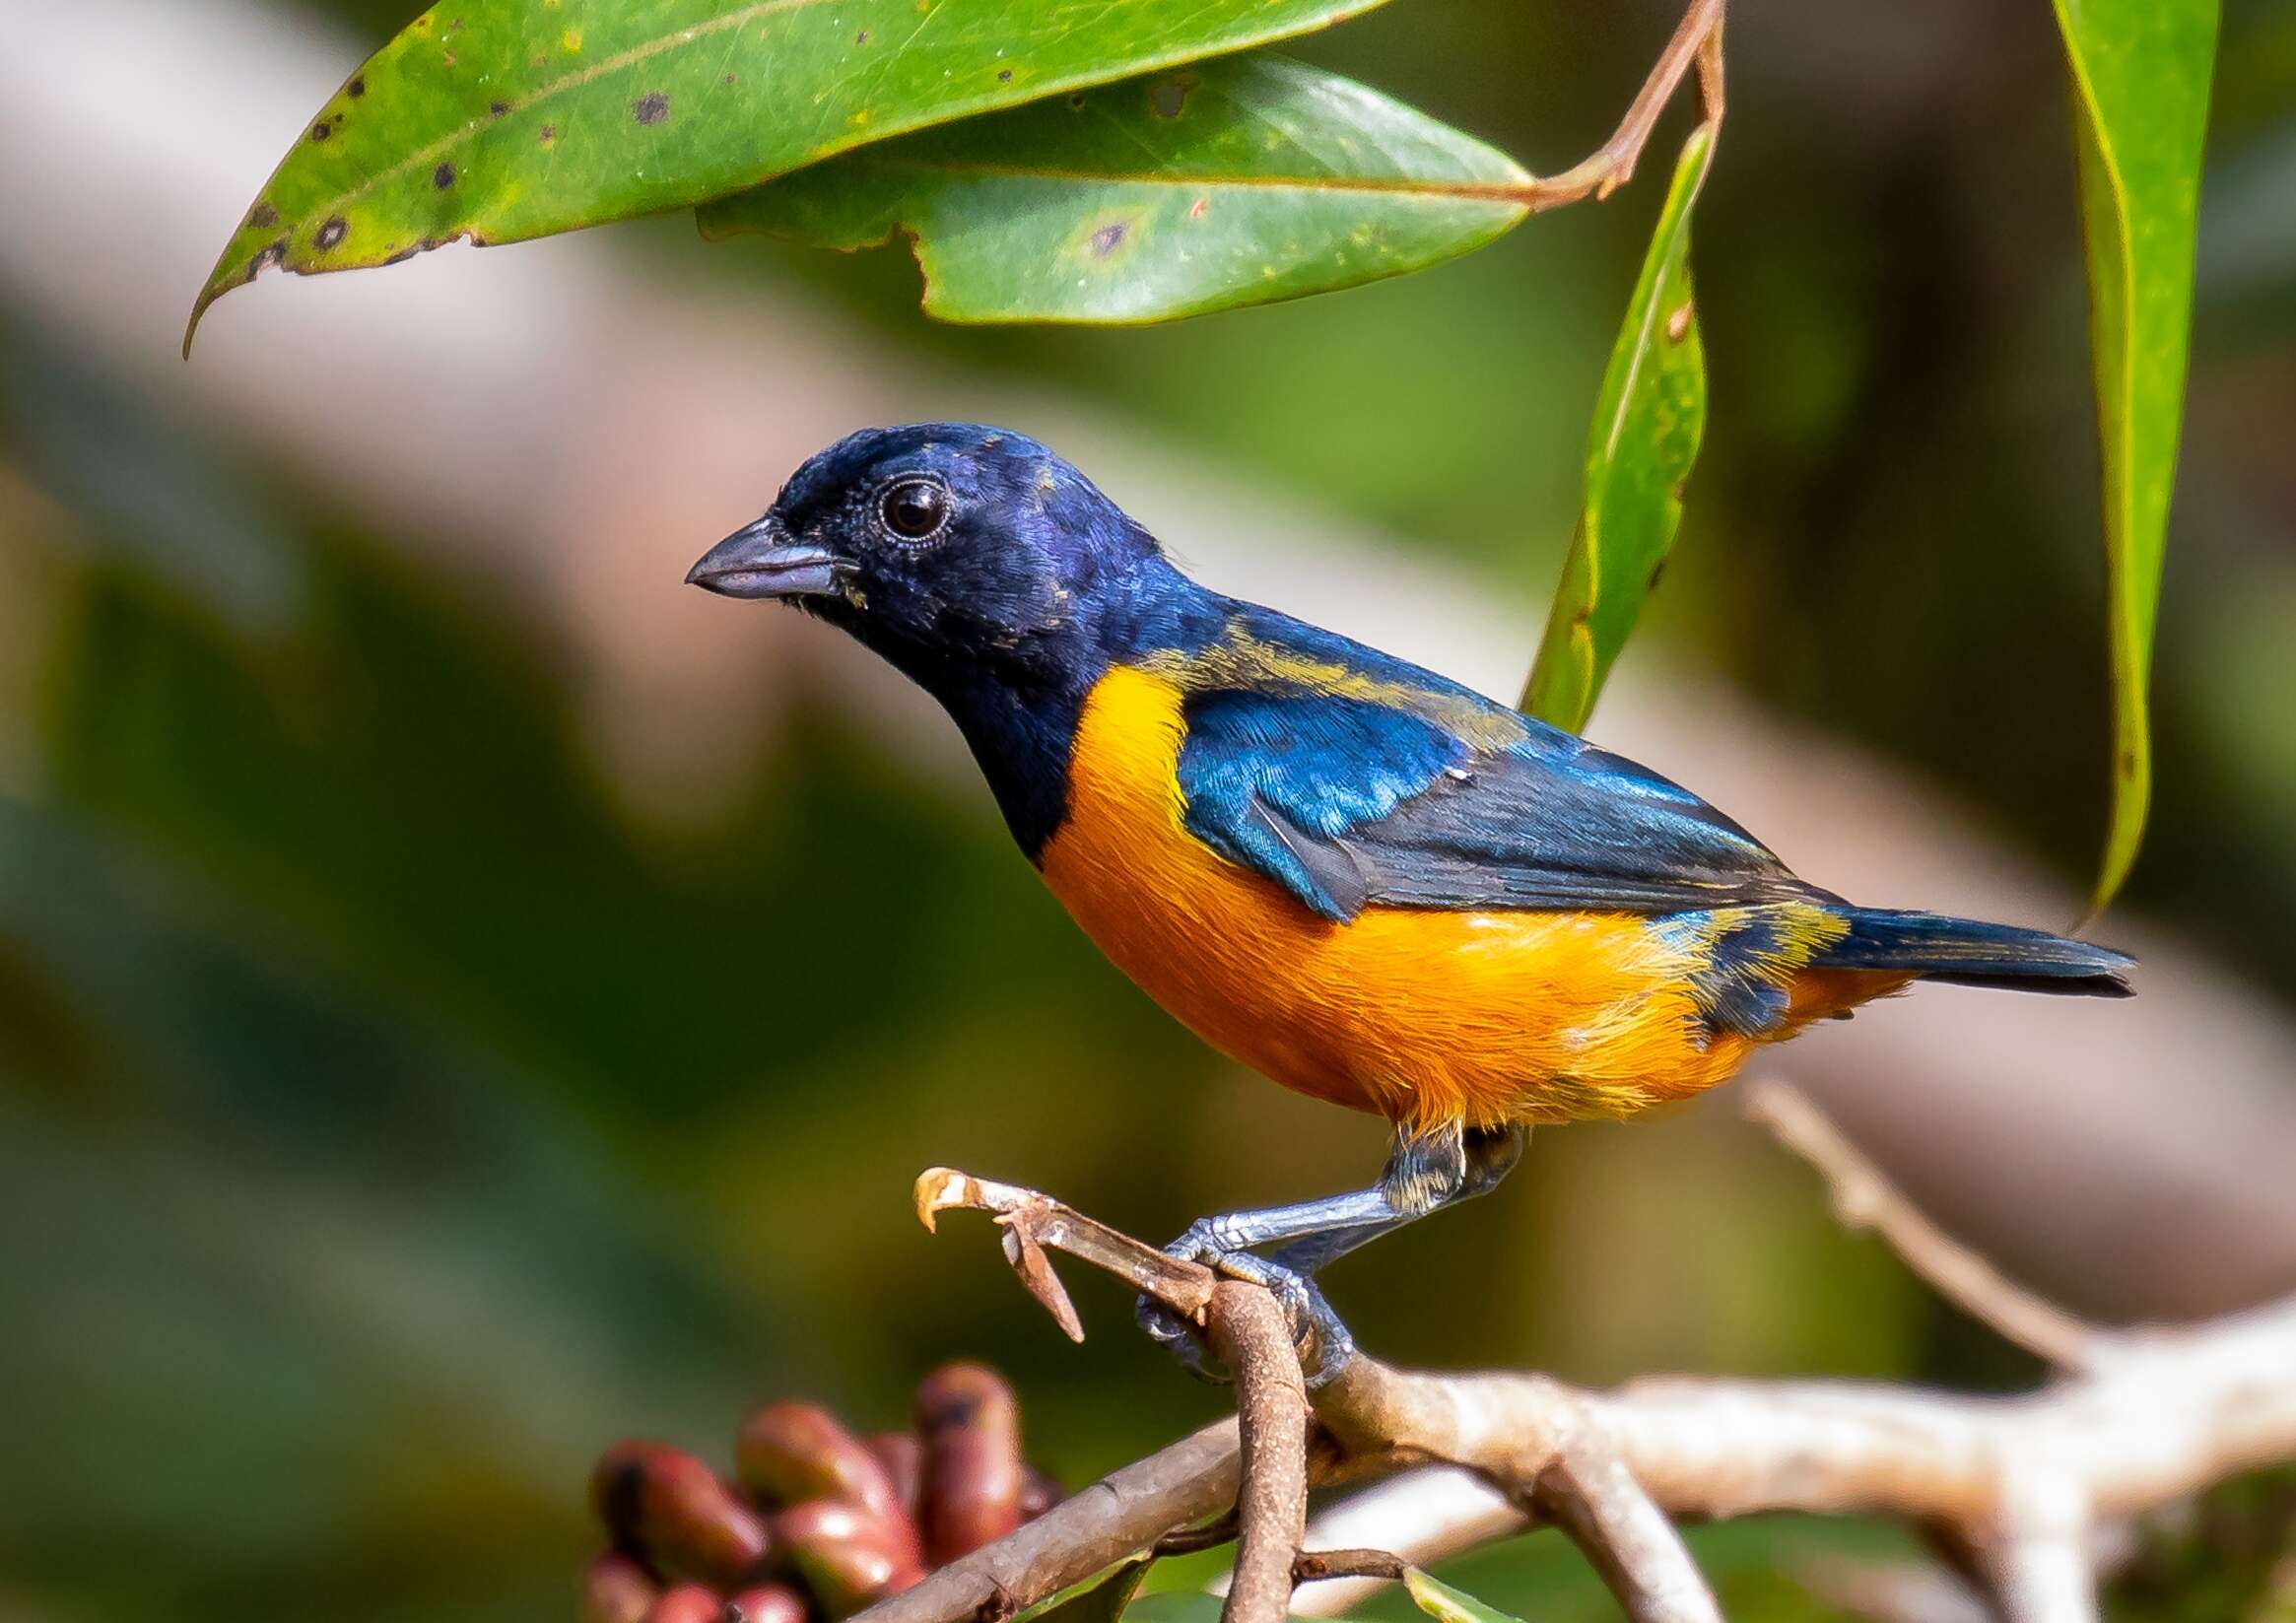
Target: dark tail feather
column 1969, row 952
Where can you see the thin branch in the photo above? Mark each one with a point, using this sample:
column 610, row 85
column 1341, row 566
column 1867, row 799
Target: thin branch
column 1697, row 39
column 1121, row 1514
column 1036, row 1223
column 1253, row 1336
column 2145, row 1417
column 2036, row 1566
column 1425, row 1516
column 1866, row 1198
column 1315, row 1565
column 1209, row 1535
column 1590, row 1494
column 1711, row 100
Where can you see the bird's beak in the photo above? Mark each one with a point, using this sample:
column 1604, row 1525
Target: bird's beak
column 764, row 561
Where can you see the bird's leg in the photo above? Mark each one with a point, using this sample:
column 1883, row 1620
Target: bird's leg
column 1424, row 1174
column 1490, row 1154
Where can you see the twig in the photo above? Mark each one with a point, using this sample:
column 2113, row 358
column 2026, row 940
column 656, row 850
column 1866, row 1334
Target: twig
column 1590, row 1494
column 1710, row 73
column 1697, row 39
column 1035, row 1223
column 1314, row 1565
column 2145, row 1417
column 1426, row 1515
column 1253, row 1334
column 2035, row 1564
column 1864, row 1198
column 1209, row 1535
column 1121, row 1514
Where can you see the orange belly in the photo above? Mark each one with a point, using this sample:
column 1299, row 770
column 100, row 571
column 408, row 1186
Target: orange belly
column 1424, row 1017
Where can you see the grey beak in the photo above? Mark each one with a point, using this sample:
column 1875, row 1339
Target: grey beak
column 763, row 561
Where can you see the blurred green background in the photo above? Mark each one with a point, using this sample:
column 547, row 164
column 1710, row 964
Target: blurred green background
column 397, row 1103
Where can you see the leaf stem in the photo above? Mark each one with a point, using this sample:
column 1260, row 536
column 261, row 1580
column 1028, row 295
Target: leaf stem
column 1697, row 39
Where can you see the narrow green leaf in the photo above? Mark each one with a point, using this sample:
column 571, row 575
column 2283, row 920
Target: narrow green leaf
column 2140, row 72
column 1649, row 420
column 1227, row 183
column 497, row 121
column 1446, row 1604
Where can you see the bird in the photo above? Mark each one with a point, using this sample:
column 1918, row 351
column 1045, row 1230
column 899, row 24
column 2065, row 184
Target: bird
column 1362, row 879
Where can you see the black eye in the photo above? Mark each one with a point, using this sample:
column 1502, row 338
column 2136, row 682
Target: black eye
column 914, row 508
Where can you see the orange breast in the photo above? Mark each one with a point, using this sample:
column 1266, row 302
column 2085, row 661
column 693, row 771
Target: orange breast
column 1424, row 1017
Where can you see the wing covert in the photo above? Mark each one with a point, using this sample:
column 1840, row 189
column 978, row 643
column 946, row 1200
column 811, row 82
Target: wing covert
column 1349, row 803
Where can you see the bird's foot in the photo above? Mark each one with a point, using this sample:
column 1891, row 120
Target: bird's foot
column 1321, row 1338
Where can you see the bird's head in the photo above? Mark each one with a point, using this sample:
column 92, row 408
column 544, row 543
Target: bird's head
column 940, row 542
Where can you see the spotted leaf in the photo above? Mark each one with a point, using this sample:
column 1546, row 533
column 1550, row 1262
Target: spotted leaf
column 1225, row 183
column 496, row 120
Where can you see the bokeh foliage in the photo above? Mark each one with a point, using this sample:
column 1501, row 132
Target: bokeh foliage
column 548, row 117
column 360, row 1181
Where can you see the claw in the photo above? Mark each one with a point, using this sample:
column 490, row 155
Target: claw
column 1170, row 1330
column 1323, row 1339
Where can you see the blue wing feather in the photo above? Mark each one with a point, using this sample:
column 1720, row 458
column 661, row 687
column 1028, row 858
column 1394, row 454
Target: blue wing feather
column 1424, row 794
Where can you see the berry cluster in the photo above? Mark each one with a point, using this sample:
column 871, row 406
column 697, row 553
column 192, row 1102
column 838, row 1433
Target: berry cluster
column 818, row 1522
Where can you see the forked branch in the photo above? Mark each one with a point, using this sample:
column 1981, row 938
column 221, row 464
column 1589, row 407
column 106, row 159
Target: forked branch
column 2138, row 1418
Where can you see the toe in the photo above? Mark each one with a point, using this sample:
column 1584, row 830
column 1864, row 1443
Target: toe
column 1170, row 1330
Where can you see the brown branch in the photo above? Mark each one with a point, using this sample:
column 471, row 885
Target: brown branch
column 1253, row 1336
column 2022, row 1483
column 1208, row 1535
column 1427, row 1514
column 1697, row 39
column 1315, row 1565
column 1865, row 1199
column 1034, row 1223
column 1120, row 1516
column 1711, row 100
column 1590, row 1495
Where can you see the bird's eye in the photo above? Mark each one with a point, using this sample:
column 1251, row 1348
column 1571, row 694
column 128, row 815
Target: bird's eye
column 916, row 508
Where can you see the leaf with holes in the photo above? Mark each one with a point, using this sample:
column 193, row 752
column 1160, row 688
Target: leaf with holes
column 2140, row 74
column 497, row 120
column 1227, row 183
column 1649, row 420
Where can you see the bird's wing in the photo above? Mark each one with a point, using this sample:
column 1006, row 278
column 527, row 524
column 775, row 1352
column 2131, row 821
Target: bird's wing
column 1441, row 799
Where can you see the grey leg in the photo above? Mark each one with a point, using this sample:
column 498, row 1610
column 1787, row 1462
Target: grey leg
column 1490, row 1153
column 1422, row 1175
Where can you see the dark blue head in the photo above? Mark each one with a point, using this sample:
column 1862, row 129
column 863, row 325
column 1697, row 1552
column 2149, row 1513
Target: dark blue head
column 981, row 564
column 942, row 542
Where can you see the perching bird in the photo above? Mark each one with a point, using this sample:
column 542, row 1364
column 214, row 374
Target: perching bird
column 1360, row 878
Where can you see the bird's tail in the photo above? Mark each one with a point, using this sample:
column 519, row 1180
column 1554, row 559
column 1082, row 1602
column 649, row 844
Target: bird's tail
column 1970, row 953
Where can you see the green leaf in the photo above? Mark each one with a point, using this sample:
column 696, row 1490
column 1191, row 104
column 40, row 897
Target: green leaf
column 1233, row 182
column 1098, row 1600
column 1175, row 1606
column 497, row 121
column 1649, row 420
column 2140, row 72
column 1446, row 1604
